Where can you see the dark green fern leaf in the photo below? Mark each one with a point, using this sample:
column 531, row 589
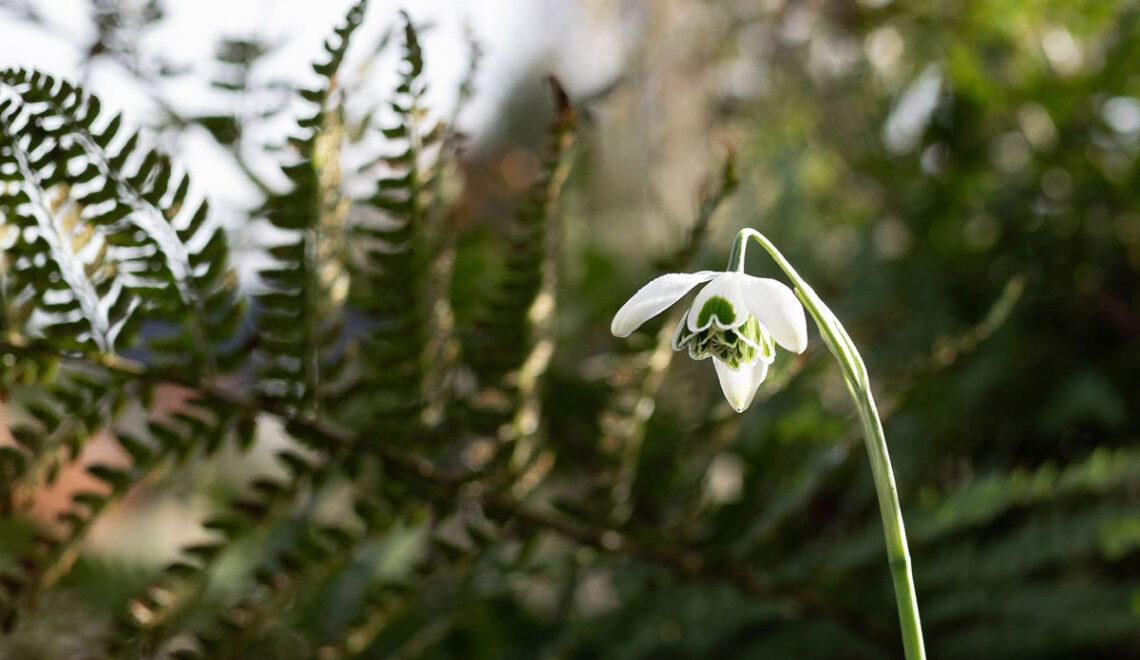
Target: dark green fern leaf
column 315, row 553
column 506, row 335
column 301, row 316
column 400, row 282
column 513, row 343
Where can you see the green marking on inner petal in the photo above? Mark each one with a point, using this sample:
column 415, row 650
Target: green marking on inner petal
column 718, row 307
column 758, row 335
column 737, row 347
column 751, row 330
column 768, row 346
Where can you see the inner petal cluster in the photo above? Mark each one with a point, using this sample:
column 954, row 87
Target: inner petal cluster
column 734, row 337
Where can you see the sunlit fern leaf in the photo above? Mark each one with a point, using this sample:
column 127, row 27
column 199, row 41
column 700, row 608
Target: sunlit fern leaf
column 162, row 249
column 454, row 140
column 300, row 318
column 55, row 265
column 101, row 236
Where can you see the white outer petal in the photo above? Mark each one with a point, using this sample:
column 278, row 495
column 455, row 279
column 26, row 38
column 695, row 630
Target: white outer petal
column 654, row 298
column 740, row 385
column 677, row 345
column 777, row 307
column 727, row 286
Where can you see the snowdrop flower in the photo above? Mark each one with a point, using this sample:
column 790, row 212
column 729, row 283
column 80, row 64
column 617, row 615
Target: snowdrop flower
column 735, row 319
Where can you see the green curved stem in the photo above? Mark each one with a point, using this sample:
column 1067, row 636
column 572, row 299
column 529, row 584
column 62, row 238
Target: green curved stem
column 855, row 375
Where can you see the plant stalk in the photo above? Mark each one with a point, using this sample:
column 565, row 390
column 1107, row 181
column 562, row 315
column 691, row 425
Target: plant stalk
column 855, row 375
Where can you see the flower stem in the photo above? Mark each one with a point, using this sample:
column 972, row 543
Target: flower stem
column 858, row 384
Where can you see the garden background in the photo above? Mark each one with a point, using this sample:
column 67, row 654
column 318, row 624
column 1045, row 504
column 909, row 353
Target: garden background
column 958, row 180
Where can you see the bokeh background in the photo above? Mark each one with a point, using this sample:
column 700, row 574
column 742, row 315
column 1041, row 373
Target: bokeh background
column 957, row 179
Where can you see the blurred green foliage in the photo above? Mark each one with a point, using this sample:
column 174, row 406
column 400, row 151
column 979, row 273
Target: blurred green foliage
column 958, row 180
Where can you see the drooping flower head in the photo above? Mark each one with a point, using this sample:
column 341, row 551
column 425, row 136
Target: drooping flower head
column 736, row 319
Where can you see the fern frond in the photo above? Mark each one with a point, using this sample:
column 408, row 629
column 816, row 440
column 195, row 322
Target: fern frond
column 1025, row 550
column 63, row 415
column 1071, row 616
column 104, row 237
column 441, row 349
column 317, row 552
column 163, row 250
column 300, row 319
column 55, row 264
column 512, row 325
column 53, row 554
column 401, row 280
column 985, row 500
column 315, row 555
column 980, row 513
column 161, row 611
column 81, row 396
column 514, row 340
column 453, row 140
column 387, row 602
column 66, row 411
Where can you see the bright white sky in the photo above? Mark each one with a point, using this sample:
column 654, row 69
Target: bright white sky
column 582, row 44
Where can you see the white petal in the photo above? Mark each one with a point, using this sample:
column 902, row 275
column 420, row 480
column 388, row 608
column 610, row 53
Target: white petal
column 777, row 307
column 654, row 298
column 727, row 286
column 740, row 385
column 680, row 332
